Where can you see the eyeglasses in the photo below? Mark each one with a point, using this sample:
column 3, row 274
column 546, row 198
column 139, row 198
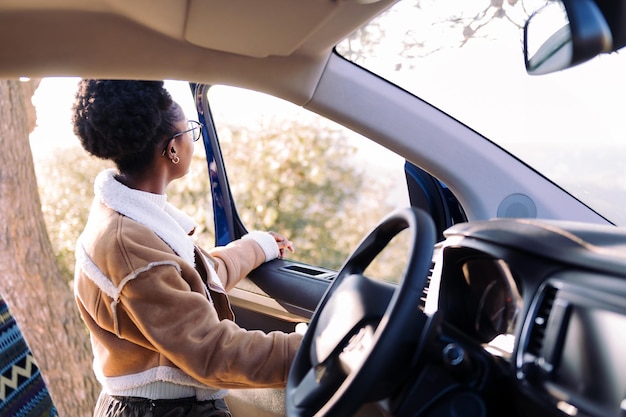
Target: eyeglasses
column 194, row 128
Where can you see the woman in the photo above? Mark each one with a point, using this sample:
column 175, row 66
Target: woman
column 161, row 325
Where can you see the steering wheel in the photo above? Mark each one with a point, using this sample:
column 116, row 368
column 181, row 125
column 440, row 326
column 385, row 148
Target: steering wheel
column 364, row 333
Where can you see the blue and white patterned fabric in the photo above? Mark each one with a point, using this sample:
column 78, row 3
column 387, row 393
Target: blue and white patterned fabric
column 23, row 392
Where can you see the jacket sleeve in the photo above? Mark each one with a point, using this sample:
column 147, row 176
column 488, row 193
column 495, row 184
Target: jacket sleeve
column 184, row 326
column 234, row 261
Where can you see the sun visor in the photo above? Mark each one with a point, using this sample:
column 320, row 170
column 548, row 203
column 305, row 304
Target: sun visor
column 254, row 28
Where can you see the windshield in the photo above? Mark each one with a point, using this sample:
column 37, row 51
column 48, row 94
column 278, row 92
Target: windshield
column 469, row 64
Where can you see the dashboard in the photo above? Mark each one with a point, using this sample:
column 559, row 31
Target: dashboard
column 555, row 293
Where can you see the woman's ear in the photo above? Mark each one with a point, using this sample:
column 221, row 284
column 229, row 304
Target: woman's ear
column 169, row 152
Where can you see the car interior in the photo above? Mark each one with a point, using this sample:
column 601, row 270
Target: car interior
column 510, row 293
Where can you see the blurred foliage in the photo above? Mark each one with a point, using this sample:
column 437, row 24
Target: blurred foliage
column 65, row 180
column 299, row 178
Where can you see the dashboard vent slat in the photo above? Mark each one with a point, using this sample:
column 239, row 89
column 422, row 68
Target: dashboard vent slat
column 538, row 329
column 422, row 304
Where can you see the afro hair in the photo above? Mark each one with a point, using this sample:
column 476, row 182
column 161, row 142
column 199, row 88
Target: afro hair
column 123, row 120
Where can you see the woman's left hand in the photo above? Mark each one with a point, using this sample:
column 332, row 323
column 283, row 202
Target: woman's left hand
column 283, row 243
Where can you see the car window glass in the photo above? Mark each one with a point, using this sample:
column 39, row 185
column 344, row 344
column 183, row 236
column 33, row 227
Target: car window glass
column 465, row 57
column 390, row 264
column 305, row 176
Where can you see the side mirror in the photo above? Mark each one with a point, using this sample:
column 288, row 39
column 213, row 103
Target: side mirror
column 564, row 34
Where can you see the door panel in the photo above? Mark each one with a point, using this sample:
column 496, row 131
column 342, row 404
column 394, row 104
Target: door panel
column 278, row 295
column 261, row 402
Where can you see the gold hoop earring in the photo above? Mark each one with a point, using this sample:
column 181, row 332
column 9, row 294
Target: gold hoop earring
column 175, row 160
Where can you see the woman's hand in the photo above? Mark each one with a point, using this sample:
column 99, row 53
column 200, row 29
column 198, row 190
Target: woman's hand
column 283, row 243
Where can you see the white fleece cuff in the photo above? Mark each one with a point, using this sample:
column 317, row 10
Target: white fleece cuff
column 267, row 243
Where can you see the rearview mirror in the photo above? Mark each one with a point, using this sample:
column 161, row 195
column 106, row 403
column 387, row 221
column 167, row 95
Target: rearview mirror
column 564, row 34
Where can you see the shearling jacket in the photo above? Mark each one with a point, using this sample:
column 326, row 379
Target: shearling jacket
column 155, row 305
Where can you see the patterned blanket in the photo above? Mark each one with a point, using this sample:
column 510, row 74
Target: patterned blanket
column 23, row 392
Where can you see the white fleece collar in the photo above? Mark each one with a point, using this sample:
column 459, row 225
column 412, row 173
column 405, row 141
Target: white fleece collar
column 151, row 210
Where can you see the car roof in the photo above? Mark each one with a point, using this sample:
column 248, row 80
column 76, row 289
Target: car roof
column 276, row 46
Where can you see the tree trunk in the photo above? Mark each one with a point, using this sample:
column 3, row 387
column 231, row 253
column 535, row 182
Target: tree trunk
column 35, row 290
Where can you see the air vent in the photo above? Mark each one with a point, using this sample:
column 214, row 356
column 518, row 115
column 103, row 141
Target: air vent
column 538, row 330
column 424, row 296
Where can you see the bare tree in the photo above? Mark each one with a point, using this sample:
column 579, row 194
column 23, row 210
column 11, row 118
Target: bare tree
column 32, row 284
column 468, row 23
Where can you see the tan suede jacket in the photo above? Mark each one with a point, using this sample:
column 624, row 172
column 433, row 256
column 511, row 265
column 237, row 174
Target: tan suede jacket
column 152, row 317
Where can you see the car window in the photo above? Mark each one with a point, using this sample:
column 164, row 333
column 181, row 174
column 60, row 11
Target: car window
column 305, row 176
column 465, row 57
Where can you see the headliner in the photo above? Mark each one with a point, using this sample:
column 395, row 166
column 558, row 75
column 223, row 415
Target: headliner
column 276, row 46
